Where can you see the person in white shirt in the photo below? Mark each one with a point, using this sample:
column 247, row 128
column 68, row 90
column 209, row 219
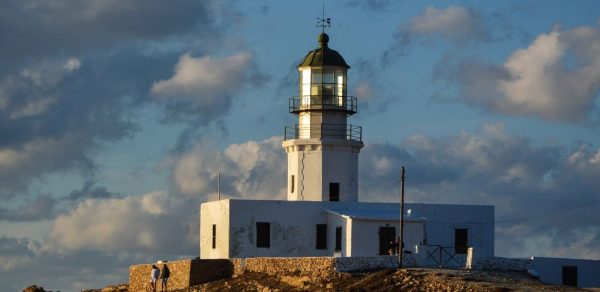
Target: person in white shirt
column 154, row 277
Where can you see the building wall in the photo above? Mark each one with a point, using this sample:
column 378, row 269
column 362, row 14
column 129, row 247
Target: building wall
column 333, row 222
column 293, row 227
column 217, row 213
column 365, row 235
column 315, row 163
column 550, row 270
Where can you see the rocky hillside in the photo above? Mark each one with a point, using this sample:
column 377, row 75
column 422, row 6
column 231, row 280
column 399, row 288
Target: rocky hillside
column 413, row 279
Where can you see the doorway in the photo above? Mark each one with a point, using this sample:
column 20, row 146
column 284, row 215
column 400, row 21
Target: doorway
column 569, row 276
column 387, row 234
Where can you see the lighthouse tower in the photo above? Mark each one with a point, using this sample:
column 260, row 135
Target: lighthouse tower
column 322, row 147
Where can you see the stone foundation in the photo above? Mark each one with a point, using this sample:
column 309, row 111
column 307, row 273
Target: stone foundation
column 504, row 264
column 184, row 273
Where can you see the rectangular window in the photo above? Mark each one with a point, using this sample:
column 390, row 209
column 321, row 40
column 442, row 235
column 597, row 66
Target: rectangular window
column 292, row 184
column 214, row 236
column 321, row 236
column 461, row 240
column 263, row 234
column 334, row 191
column 338, row 238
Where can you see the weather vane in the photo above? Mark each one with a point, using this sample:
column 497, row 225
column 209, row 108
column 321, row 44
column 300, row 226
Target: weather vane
column 322, row 21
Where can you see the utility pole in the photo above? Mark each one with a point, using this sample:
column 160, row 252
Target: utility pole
column 401, row 243
column 219, row 185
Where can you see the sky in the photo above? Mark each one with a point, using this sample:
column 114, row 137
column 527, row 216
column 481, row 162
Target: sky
column 116, row 116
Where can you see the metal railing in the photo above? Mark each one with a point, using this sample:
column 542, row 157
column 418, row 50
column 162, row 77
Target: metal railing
column 444, row 256
column 331, row 131
column 323, row 102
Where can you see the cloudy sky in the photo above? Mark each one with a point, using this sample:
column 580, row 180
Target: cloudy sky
column 116, row 116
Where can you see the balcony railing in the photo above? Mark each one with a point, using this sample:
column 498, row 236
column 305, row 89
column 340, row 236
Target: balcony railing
column 327, row 131
column 323, row 102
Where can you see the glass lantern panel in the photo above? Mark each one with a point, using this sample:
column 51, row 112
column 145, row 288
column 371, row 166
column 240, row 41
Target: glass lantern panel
column 328, row 76
column 305, row 76
column 317, row 76
column 328, row 93
column 340, row 76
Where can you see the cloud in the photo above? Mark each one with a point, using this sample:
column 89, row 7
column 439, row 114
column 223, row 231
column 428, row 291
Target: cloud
column 455, row 24
column 24, row 262
column 253, row 169
column 557, row 77
column 74, row 75
column 543, row 191
column 40, row 208
column 154, row 222
column 62, row 26
column 371, row 4
column 204, row 86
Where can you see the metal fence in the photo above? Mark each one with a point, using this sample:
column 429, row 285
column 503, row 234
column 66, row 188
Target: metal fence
column 323, row 102
column 331, row 131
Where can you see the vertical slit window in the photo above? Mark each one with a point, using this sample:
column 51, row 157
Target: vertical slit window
column 292, row 184
column 214, row 236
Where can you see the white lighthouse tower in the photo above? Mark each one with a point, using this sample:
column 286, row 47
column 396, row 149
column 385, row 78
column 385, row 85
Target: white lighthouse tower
column 323, row 148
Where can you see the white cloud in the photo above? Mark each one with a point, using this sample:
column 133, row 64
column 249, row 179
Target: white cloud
column 72, row 64
column 155, row 222
column 557, row 77
column 253, row 169
column 454, row 23
column 204, row 80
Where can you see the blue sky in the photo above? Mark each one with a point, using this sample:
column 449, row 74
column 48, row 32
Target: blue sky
column 116, row 116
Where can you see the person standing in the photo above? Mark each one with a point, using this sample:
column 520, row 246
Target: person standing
column 153, row 277
column 164, row 277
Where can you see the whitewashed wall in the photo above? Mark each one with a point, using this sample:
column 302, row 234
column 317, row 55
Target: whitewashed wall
column 216, row 212
column 550, row 270
column 293, row 227
column 315, row 163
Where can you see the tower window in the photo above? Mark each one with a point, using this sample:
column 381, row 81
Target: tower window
column 338, row 238
column 461, row 240
column 214, row 236
column 334, row 191
column 321, row 236
column 292, row 184
column 263, row 234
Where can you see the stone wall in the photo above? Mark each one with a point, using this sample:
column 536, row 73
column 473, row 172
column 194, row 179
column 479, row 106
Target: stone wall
column 348, row 264
column 314, row 267
column 504, row 264
column 184, row 273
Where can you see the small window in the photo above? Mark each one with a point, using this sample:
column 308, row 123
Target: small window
column 214, row 236
column 461, row 240
column 338, row 238
column 292, row 184
column 334, row 191
column 321, row 236
column 263, row 234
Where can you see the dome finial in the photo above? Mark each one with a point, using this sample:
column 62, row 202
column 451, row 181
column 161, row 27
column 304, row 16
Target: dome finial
column 323, row 39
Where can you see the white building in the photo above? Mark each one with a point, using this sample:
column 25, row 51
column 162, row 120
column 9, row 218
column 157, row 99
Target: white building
column 571, row 272
column 322, row 215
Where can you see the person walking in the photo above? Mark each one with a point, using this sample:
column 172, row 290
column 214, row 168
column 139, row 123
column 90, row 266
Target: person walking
column 164, row 278
column 154, row 277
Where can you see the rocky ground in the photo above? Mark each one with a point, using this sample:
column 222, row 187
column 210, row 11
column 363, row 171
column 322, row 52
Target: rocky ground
column 412, row 279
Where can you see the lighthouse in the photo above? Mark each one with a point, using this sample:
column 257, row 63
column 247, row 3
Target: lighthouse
column 322, row 148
